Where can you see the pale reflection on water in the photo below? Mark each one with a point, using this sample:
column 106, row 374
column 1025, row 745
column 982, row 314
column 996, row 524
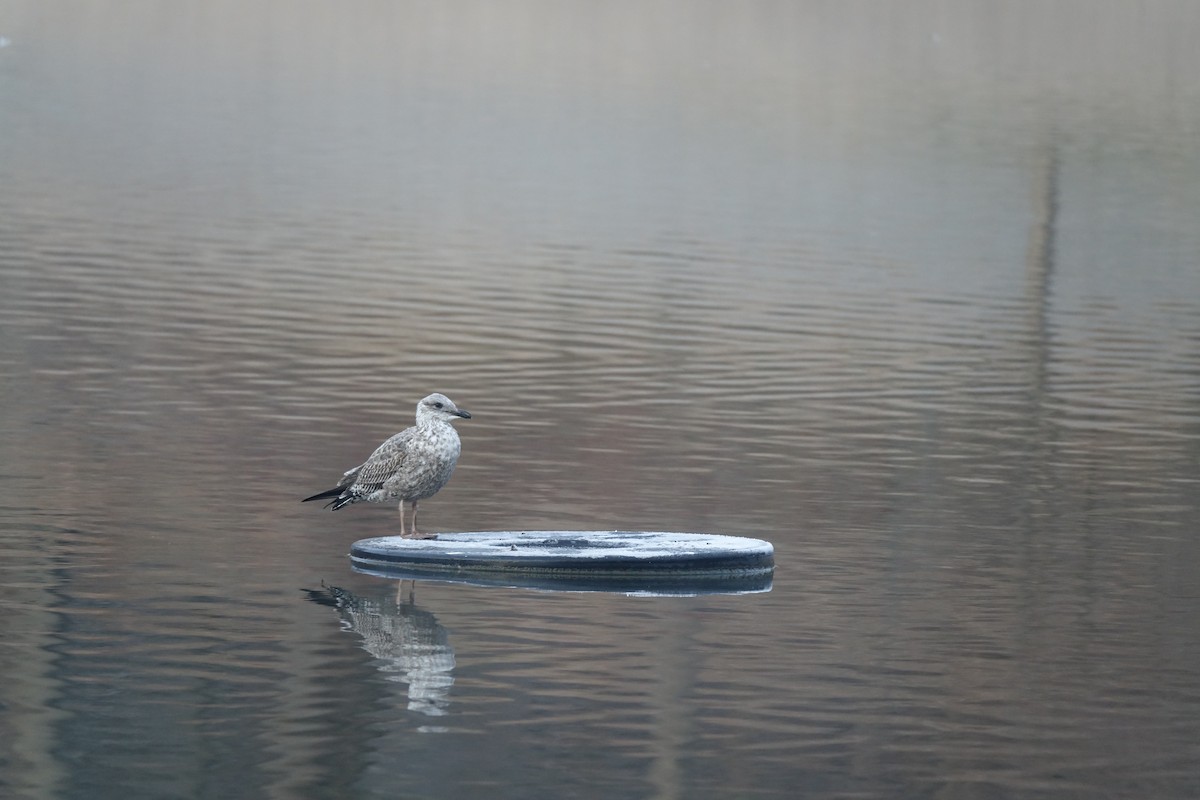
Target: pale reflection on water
column 409, row 645
column 911, row 294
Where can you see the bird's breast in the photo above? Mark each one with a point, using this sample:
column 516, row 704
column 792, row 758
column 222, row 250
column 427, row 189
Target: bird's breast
column 428, row 464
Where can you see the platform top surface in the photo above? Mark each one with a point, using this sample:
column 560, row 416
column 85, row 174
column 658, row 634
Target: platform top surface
column 567, row 545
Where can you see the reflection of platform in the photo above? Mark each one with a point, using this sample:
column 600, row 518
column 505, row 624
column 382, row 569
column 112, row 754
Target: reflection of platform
column 622, row 561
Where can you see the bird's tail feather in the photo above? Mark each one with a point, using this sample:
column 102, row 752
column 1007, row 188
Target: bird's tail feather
column 327, row 493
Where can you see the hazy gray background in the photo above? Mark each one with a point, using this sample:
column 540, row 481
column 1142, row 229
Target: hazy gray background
column 910, row 290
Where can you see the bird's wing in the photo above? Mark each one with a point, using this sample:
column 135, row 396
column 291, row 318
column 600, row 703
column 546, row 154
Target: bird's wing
column 348, row 477
column 382, row 464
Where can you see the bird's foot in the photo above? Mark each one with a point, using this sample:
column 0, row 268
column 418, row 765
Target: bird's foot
column 416, row 535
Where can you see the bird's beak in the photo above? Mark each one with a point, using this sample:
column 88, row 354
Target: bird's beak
column 462, row 412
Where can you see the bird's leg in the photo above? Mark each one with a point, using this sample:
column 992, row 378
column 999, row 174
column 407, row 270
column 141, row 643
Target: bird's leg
column 416, row 535
column 402, row 518
column 411, row 586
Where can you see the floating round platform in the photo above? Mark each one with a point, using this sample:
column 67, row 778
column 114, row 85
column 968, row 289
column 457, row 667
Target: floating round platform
column 681, row 563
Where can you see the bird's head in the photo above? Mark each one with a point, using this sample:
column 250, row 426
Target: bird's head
column 440, row 407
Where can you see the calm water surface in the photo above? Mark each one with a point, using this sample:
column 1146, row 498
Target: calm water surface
column 913, row 293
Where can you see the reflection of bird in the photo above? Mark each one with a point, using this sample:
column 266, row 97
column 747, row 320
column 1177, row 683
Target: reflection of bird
column 412, row 646
column 412, row 465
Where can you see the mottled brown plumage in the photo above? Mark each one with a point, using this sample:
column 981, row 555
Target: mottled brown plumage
column 412, row 465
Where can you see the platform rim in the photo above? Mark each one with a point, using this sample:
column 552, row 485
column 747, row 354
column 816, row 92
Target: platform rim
column 741, row 556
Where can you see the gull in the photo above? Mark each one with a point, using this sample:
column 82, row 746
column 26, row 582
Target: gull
column 412, row 465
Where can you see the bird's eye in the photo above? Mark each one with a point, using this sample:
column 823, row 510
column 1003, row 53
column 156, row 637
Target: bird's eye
column 437, row 405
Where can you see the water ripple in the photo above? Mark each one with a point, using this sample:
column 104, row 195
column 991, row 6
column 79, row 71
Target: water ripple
column 939, row 352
